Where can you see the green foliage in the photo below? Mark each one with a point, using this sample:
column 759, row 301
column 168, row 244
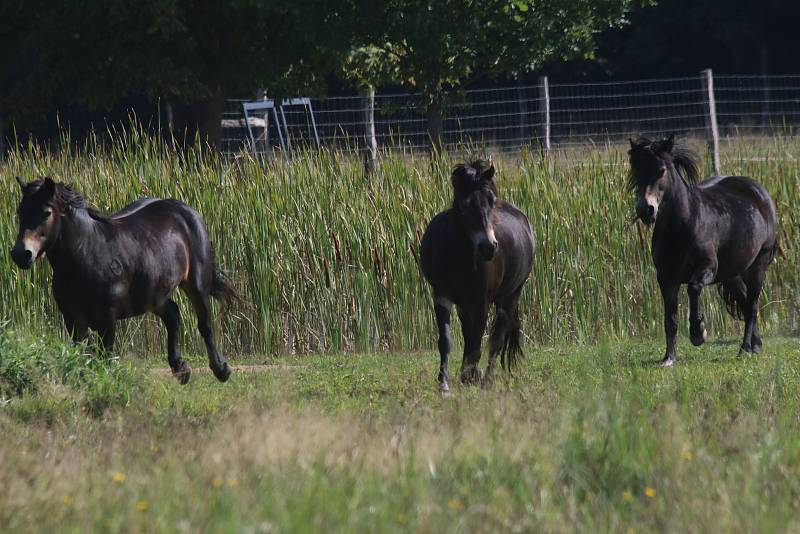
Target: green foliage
column 431, row 46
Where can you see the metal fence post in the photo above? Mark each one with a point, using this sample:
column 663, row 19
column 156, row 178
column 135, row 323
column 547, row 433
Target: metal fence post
column 544, row 105
column 707, row 79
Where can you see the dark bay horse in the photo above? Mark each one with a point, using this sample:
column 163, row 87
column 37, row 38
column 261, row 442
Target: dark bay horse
column 107, row 268
column 477, row 253
column 721, row 230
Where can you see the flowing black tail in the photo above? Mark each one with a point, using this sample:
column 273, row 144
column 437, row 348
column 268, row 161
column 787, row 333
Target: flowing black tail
column 508, row 326
column 734, row 293
column 222, row 289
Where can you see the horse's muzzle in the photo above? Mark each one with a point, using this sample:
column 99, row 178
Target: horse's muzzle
column 646, row 213
column 486, row 250
column 22, row 257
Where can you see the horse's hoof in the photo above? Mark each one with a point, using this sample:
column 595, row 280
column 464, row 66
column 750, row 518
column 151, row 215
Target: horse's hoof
column 487, row 382
column 698, row 337
column 183, row 373
column 756, row 344
column 223, row 373
column 746, row 350
column 444, row 388
column 471, row 375
column 667, row 362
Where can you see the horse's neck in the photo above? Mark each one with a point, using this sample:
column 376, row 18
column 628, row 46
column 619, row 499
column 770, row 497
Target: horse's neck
column 79, row 233
column 680, row 198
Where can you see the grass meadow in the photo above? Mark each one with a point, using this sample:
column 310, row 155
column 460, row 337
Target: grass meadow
column 342, row 427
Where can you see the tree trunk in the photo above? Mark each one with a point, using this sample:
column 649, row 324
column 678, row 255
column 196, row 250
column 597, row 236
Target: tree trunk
column 2, row 140
column 433, row 117
column 201, row 121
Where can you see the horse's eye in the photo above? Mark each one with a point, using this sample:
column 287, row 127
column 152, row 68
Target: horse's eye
column 46, row 213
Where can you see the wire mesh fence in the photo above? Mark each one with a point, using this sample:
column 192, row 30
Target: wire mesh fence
column 543, row 114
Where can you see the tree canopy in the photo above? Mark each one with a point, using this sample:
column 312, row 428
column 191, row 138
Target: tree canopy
column 449, row 44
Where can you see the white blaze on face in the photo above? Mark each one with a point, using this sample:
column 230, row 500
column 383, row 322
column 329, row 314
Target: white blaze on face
column 483, row 236
column 32, row 242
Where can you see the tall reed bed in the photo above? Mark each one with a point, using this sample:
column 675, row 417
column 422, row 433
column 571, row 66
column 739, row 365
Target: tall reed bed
column 328, row 261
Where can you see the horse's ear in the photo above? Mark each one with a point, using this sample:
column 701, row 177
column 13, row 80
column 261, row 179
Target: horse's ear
column 458, row 175
column 47, row 190
column 667, row 144
column 488, row 174
column 21, row 183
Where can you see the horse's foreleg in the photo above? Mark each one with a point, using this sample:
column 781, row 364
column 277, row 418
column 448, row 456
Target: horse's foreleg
column 442, row 308
column 496, row 342
column 171, row 316
column 669, row 293
column 107, row 332
column 77, row 329
column 473, row 323
column 697, row 324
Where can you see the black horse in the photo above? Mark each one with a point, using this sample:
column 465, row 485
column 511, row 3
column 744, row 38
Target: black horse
column 478, row 252
column 721, row 230
column 107, row 268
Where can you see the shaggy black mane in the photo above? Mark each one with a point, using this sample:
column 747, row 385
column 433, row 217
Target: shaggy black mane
column 67, row 198
column 676, row 156
column 467, row 177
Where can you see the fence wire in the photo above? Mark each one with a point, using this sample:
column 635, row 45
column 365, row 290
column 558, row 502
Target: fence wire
column 512, row 118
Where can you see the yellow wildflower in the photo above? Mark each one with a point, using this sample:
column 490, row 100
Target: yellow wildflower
column 118, row 477
column 455, row 504
column 142, row 506
column 650, row 492
column 217, row 482
column 627, row 495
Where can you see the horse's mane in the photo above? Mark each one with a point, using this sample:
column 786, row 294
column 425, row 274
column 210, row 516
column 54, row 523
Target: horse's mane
column 69, row 199
column 469, row 175
column 685, row 160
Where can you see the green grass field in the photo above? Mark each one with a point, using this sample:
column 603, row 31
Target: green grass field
column 593, row 437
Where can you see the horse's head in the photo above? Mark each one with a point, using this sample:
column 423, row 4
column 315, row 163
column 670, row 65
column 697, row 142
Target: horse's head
column 39, row 221
column 653, row 173
column 474, row 200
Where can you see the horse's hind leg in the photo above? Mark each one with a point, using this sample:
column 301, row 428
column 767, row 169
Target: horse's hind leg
column 754, row 280
column 202, row 307
column 506, row 321
column 171, row 316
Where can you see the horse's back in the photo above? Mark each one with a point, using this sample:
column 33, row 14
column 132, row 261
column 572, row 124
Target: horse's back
column 731, row 191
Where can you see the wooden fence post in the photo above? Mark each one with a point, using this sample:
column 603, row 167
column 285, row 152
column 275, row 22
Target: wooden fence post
column 371, row 150
column 707, row 79
column 544, row 106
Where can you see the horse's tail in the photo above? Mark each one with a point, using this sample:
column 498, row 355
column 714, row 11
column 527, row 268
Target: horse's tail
column 511, row 351
column 734, row 293
column 222, row 289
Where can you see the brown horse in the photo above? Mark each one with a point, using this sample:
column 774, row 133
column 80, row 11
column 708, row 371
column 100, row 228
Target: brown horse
column 477, row 253
column 111, row 267
column 722, row 230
